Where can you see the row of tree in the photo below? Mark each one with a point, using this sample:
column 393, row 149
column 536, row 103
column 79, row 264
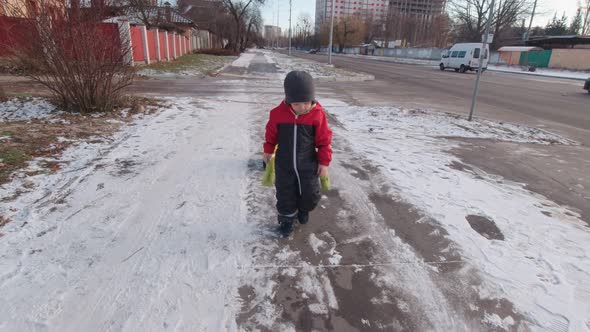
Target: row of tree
column 579, row 25
column 509, row 22
column 463, row 21
column 240, row 23
column 237, row 21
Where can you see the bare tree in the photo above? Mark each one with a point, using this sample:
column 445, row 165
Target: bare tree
column 304, row 27
column 585, row 9
column 149, row 14
column 348, row 31
column 441, row 28
column 373, row 28
column 471, row 16
column 211, row 15
column 238, row 10
column 254, row 27
column 69, row 50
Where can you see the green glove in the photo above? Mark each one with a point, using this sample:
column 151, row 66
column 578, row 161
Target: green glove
column 325, row 181
column 268, row 179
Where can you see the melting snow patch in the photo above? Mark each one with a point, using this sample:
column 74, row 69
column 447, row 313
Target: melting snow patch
column 496, row 321
column 318, row 309
column 244, row 60
column 26, row 109
column 541, row 266
column 317, row 70
column 580, row 75
column 402, row 123
column 316, row 243
column 335, row 259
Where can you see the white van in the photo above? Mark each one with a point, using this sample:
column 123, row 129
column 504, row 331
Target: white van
column 463, row 57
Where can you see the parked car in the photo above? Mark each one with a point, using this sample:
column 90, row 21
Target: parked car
column 463, row 57
column 313, row 51
column 587, row 85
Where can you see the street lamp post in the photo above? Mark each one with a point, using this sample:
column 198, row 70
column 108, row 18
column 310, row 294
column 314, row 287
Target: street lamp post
column 331, row 34
column 481, row 58
column 290, row 27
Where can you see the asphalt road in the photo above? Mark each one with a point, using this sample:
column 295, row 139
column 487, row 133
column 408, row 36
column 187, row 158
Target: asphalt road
column 520, row 98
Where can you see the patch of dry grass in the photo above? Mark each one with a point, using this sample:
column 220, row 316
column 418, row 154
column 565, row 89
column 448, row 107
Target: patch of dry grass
column 23, row 141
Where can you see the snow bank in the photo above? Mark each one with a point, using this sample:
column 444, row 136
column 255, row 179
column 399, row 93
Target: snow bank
column 148, row 72
column 579, row 75
column 413, row 122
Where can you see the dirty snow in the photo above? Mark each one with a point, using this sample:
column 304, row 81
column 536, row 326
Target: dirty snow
column 426, row 62
column 416, row 122
column 316, row 243
column 26, row 109
column 149, row 72
column 542, row 266
column 285, row 64
column 189, row 66
column 244, row 60
column 319, row 71
column 558, row 73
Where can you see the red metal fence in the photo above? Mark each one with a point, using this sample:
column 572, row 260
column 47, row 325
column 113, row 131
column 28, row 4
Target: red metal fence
column 15, row 32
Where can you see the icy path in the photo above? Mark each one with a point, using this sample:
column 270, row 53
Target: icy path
column 150, row 240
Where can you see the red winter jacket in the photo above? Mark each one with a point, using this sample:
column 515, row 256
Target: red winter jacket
column 299, row 136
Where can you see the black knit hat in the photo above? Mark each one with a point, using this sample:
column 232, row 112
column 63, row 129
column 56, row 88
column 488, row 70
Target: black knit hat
column 299, row 87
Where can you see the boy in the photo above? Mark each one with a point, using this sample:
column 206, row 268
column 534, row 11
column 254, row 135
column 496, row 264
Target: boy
column 300, row 129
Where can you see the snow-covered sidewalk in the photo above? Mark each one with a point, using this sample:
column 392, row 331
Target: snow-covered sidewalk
column 278, row 65
column 423, row 62
column 526, row 248
column 147, row 232
column 544, row 72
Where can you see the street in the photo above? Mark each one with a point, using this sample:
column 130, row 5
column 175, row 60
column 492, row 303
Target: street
column 502, row 96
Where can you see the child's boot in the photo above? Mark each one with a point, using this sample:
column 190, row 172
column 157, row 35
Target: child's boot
column 303, row 217
column 285, row 225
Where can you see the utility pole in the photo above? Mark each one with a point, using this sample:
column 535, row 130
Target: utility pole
column 278, row 27
column 290, row 27
column 272, row 31
column 482, row 52
column 528, row 32
column 331, row 34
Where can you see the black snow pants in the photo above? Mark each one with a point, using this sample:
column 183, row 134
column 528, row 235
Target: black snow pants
column 296, row 191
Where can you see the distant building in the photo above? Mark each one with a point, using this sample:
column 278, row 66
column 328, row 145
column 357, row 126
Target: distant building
column 378, row 9
column 343, row 8
column 271, row 34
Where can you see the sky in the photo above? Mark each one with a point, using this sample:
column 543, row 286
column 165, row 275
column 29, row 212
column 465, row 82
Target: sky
column 545, row 11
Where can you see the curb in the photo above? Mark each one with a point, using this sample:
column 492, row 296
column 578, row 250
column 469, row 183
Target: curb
column 363, row 78
column 217, row 72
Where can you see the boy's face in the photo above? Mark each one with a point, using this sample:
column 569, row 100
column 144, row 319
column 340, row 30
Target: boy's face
column 300, row 108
